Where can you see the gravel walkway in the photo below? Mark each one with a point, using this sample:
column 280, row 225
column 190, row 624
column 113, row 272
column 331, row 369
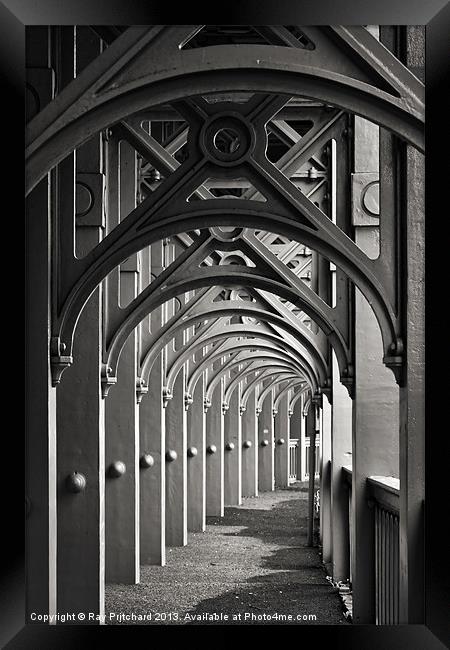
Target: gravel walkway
column 250, row 566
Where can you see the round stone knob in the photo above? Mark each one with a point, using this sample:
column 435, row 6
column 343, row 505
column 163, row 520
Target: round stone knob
column 280, row 441
column 211, row 449
column 192, row 452
column 76, row 482
column 247, row 444
column 264, row 443
column 171, row 455
column 146, row 460
column 117, row 469
column 229, row 446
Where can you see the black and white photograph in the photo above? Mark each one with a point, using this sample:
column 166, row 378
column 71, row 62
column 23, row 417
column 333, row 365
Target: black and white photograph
column 226, row 389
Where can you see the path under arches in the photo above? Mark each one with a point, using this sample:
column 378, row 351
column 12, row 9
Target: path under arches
column 250, row 564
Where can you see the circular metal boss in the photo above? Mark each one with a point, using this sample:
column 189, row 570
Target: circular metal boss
column 211, row 449
column 117, row 469
column 226, row 139
column 264, row 443
column 146, row 460
column 171, row 455
column 192, row 452
column 229, row 446
column 280, row 441
column 76, row 482
column 247, row 444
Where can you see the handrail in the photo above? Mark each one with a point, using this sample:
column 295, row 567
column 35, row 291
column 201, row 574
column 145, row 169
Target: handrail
column 385, row 490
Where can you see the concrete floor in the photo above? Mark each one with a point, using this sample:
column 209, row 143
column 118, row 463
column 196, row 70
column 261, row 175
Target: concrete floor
column 250, row 565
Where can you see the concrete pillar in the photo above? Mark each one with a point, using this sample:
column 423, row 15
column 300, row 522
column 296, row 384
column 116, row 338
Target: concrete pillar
column 303, row 450
column 325, row 483
column 233, row 451
column 311, row 432
column 121, row 409
column 294, row 431
column 196, row 465
column 250, row 449
column 412, row 404
column 40, row 396
column 81, row 421
column 266, row 456
column 341, row 456
column 215, row 454
column 152, row 441
column 281, row 427
column 176, row 465
column 376, row 403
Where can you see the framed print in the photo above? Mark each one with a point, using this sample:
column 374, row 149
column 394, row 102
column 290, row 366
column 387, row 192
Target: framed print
column 232, row 411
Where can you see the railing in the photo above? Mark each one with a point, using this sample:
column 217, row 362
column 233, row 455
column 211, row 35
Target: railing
column 293, row 459
column 384, row 495
column 317, row 458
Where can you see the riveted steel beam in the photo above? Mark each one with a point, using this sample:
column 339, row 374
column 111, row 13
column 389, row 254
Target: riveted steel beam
column 300, row 342
column 243, row 353
column 143, row 66
column 230, row 331
column 281, row 366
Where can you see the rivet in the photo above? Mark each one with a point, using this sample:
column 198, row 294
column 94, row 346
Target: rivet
column 229, row 446
column 76, row 482
column 211, row 449
column 281, row 441
column 146, row 460
column 117, row 469
column 247, row 444
column 192, row 452
column 264, row 443
column 171, row 455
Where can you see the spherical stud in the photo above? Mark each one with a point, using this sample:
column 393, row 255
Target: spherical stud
column 171, row 455
column 264, row 443
column 117, row 469
column 211, row 449
column 247, row 444
column 280, row 441
column 229, row 446
column 192, row 452
column 76, row 482
column 146, row 461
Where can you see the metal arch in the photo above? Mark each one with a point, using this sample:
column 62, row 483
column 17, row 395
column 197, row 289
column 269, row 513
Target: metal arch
column 249, row 388
column 223, row 276
column 278, row 377
column 283, row 391
column 232, row 331
column 262, row 352
column 225, row 310
column 294, row 400
column 82, row 276
column 249, row 370
column 262, row 396
column 306, row 406
column 106, row 91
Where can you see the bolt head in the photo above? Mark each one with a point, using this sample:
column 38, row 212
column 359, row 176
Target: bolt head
column 192, row 452
column 264, row 443
column 117, row 469
column 171, row 455
column 211, row 449
column 229, row 446
column 146, row 460
column 281, row 441
column 247, row 444
column 76, row 482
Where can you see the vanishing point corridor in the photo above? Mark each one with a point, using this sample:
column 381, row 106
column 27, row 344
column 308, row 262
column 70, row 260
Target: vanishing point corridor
column 250, row 566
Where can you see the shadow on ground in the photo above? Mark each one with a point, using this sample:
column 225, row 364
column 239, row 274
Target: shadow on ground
column 252, row 566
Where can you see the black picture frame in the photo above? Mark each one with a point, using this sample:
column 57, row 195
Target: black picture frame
column 435, row 14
